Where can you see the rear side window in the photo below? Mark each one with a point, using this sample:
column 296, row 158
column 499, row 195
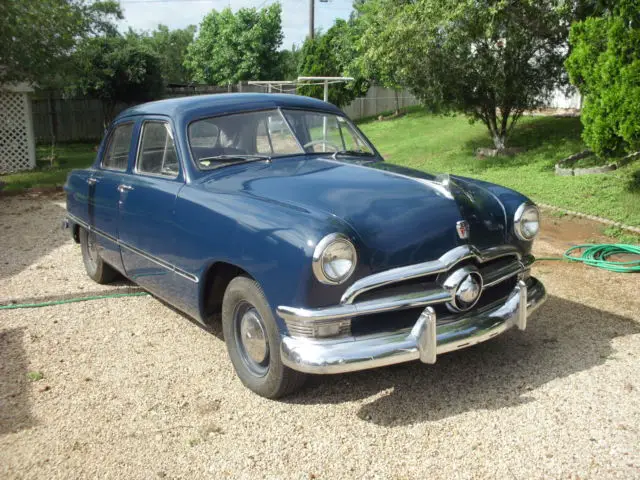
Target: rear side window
column 157, row 154
column 116, row 156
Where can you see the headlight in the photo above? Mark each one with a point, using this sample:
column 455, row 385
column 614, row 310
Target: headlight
column 526, row 222
column 334, row 259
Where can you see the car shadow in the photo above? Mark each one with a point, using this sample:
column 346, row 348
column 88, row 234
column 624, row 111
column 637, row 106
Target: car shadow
column 15, row 401
column 562, row 339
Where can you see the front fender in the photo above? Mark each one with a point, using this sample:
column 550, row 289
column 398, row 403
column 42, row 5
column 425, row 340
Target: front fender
column 272, row 241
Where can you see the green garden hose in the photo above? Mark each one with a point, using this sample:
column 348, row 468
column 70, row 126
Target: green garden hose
column 593, row 255
column 70, row 300
column 597, row 255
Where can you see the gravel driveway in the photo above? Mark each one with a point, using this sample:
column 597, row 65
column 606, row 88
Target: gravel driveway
column 133, row 389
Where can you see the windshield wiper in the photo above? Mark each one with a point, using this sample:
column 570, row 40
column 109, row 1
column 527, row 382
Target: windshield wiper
column 352, row 153
column 233, row 158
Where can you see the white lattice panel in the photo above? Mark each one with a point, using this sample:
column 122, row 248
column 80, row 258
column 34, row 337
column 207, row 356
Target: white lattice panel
column 17, row 149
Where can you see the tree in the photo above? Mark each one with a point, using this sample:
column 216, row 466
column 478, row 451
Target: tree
column 372, row 61
column 289, row 61
column 171, row 47
column 37, row 36
column 115, row 69
column 605, row 66
column 330, row 55
column 234, row 47
column 488, row 59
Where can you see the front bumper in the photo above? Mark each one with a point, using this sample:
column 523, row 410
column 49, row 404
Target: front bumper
column 425, row 341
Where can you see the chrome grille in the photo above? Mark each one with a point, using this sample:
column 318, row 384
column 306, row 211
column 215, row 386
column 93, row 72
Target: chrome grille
column 500, row 277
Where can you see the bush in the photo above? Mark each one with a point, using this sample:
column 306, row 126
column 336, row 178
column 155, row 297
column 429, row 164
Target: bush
column 605, row 65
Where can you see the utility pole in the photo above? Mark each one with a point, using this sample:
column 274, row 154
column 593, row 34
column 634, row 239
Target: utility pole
column 311, row 17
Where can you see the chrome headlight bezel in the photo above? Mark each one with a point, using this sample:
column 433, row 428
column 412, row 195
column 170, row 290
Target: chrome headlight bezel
column 324, row 246
column 518, row 221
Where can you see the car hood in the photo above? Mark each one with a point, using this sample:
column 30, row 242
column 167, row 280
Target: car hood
column 399, row 215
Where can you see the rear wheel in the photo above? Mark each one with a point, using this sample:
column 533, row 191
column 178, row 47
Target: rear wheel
column 96, row 268
column 253, row 341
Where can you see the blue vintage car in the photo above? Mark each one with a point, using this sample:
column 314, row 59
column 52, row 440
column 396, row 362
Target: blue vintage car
column 277, row 215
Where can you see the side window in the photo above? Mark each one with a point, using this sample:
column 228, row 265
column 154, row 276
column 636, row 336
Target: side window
column 116, row 156
column 157, row 154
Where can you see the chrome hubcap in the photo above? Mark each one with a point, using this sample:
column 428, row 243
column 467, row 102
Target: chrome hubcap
column 251, row 338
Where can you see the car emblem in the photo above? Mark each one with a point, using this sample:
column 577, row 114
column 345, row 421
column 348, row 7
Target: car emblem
column 463, row 229
column 465, row 286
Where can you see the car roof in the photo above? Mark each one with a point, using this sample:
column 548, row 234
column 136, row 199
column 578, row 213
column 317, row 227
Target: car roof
column 198, row 106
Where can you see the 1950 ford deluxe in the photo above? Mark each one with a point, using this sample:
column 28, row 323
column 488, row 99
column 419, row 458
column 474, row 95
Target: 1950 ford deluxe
column 276, row 212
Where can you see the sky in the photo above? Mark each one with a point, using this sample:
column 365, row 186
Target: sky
column 147, row 14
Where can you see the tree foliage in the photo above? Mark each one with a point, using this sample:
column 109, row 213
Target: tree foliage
column 605, row 66
column 171, row 47
column 36, row 37
column 488, row 59
column 289, row 61
column 116, row 69
column 330, row 55
column 234, row 47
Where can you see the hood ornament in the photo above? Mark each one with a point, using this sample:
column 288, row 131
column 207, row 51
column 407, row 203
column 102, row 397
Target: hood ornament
column 463, row 229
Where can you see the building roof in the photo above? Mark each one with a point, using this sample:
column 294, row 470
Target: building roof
column 199, row 106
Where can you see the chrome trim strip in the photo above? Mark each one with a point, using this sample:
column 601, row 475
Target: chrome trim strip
column 151, row 258
column 372, row 351
column 338, row 312
column 409, row 272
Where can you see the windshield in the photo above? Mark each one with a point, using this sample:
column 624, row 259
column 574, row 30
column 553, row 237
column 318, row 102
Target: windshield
column 218, row 141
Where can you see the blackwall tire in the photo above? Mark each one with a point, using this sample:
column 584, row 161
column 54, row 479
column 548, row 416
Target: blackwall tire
column 96, row 268
column 246, row 320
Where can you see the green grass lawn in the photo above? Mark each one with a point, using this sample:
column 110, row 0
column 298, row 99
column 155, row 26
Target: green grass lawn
column 68, row 157
column 446, row 144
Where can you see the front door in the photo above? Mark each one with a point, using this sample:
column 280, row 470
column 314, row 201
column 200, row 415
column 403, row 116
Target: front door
column 147, row 230
column 104, row 194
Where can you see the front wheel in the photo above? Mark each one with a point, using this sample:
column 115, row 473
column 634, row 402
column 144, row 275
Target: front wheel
column 96, row 268
column 253, row 341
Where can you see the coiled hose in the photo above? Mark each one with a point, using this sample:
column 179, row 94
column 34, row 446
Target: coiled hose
column 594, row 255
column 597, row 255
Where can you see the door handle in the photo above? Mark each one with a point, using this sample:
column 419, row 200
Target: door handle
column 92, row 180
column 124, row 188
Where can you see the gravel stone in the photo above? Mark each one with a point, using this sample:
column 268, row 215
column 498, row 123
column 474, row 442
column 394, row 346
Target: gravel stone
column 134, row 390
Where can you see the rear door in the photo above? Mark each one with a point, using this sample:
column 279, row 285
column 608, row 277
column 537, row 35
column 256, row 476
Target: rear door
column 105, row 191
column 147, row 230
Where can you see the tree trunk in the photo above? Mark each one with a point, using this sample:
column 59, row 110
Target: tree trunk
column 499, row 140
column 498, row 133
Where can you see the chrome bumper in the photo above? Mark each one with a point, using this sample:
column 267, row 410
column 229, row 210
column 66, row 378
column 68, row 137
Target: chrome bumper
column 425, row 341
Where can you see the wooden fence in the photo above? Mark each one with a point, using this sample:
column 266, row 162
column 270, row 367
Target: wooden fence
column 81, row 119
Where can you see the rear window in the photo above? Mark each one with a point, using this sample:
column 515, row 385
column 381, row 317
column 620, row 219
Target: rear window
column 116, row 156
